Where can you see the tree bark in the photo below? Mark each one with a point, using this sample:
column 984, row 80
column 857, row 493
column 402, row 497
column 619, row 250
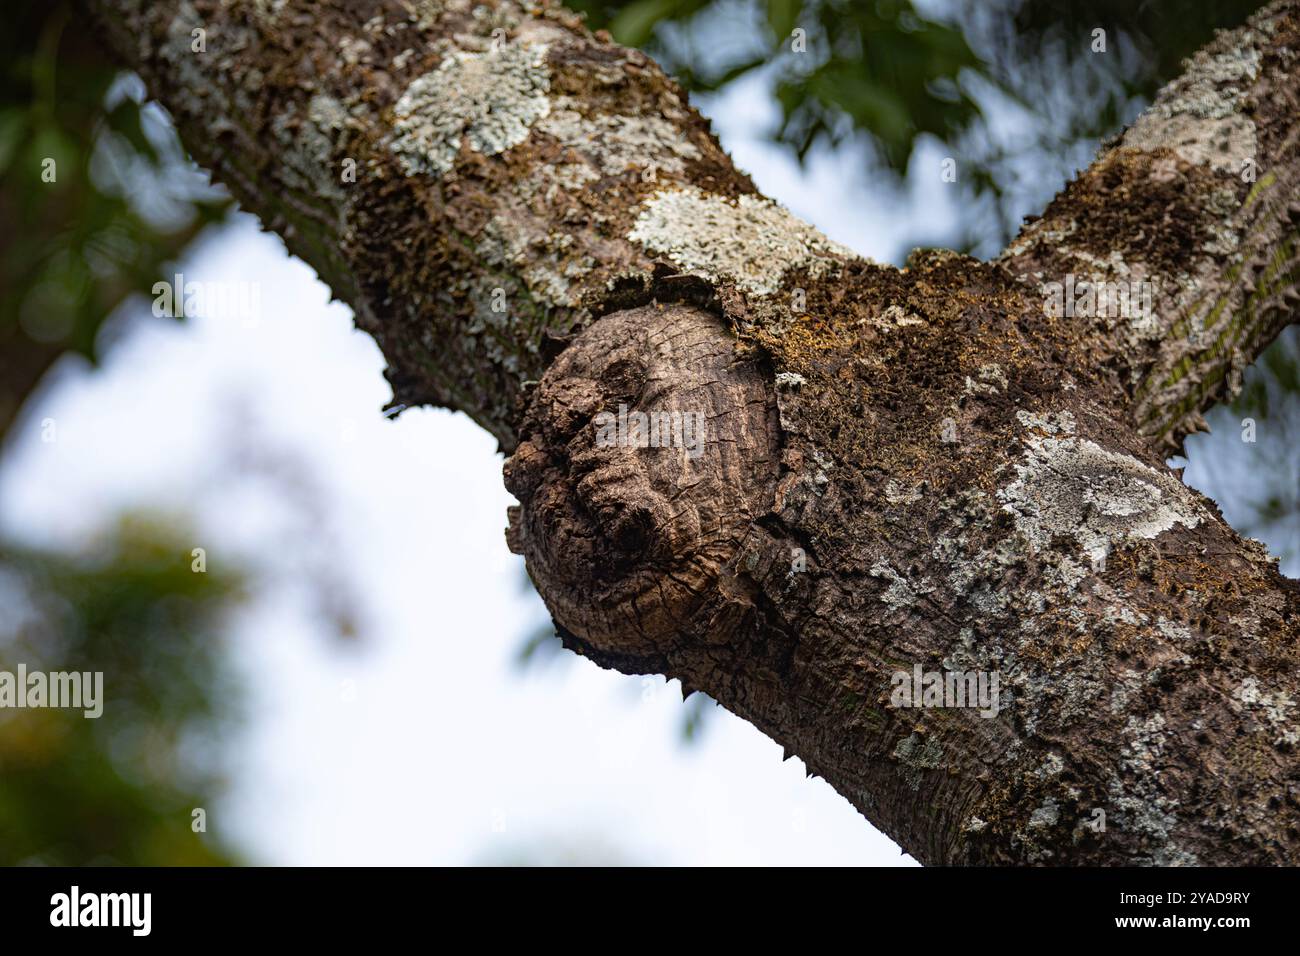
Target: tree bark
column 906, row 468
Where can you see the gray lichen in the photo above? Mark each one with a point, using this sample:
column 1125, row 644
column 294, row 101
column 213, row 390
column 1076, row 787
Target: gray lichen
column 543, row 260
column 916, row 754
column 188, row 65
column 1045, row 816
column 751, row 241
column 900, row 593
column 308, row 147
column 1276, row 708
column 617, row 142
column 489, row 100
column 1200, row 116
column 1072, row 486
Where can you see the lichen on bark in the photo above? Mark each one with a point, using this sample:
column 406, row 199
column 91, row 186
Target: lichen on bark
column 486, row 102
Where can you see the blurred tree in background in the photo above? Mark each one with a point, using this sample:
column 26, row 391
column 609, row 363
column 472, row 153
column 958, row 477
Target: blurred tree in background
column 120, row 788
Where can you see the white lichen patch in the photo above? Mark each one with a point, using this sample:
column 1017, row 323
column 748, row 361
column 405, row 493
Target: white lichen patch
column 993, row 374
column 1177, row 633
column 489, row 100
column 1126, row 688
column 544, row 260
column 1139, row 805
column 1150, row 816
column 751, row 241
column 307, row 146
column 1214, row 85
column 1221, row 144
column 1200, row 115
column 355, row 50
column 615, row 143
column 1145, row 744
column 1103, row 499
column 897, row 494
column 1068, row 573
column 900, row 593
column 194, row 84
column 1058, row 423
column 328, row 114
column 1275, row 707
column 991, row 380
column 425, row 13
column 1045, row 816
column 1052, row 766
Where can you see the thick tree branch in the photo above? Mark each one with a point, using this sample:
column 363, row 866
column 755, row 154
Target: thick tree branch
column 1195, row 211
column 341, row 123
column 863, row 471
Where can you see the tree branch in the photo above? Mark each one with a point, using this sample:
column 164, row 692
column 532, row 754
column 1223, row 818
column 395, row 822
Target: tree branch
column 1194, row 208
column 341, row 126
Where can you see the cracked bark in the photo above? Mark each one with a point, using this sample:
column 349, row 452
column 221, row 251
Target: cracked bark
column 901, row 467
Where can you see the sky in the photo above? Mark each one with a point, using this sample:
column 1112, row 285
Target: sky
column 419, row 741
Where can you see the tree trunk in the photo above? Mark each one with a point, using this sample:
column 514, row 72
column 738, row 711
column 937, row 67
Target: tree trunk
column 929, row 469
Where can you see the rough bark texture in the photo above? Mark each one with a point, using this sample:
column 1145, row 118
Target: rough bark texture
column 900, row 467
column 1200, row 198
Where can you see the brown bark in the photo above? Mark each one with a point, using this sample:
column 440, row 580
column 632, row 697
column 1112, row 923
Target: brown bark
column 900, row 467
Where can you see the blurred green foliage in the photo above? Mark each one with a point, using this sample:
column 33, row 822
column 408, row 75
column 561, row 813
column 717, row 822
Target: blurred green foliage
column 96, row 193
column 121, row 788
column 880, row 66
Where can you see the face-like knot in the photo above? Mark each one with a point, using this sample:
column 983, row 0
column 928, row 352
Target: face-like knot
column 647, row 450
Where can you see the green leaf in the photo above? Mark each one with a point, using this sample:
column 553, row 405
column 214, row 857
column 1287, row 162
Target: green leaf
column 13, row 123
column 635, row 24
column 125, row 119
column 783, row 16
column 51, row 142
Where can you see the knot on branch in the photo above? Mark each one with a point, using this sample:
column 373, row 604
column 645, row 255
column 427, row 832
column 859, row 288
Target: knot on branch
column 647, row 449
